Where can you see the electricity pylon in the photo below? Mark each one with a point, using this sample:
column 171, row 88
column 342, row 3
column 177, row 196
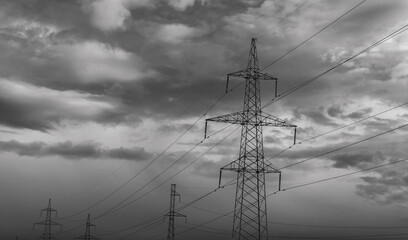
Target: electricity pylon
column 172, row 213
column 250, row 218
column 48, row 223
column 88, row 235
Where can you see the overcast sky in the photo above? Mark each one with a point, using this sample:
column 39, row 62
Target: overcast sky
column 92, row 91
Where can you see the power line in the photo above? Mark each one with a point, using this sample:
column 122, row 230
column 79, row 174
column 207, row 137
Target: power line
column 312, row 226
column 343, row 147
column 205, row 223
column 315, row 34
column 92, row 186
column 172, row 214
column 178, row 209
column 284, row 19
column 284, row 149
column 184, row 206
column 343, row 175
column 133, row 177
column 303, row 185
column 285, row 189
column 211, row 230
column 350, row 124
column 342, row 237
column 156, row 158
column 151, row 221
column 303, row 84
column 128, row 181
column 168, row 179
column 379, row 42
column 149, row 182
column 250, row 219
column 209, row 109
column 146, row 228
column 334, row 226
column 336, row 129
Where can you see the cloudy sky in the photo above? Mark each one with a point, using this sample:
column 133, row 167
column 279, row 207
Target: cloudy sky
column 103, row 105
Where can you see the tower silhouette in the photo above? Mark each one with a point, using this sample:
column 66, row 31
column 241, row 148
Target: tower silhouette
column 250, row 216
column 48, row 223
column 88, row 235
column 172, row 213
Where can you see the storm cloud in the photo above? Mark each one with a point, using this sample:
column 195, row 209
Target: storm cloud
column 87, row 84
column 69, row 150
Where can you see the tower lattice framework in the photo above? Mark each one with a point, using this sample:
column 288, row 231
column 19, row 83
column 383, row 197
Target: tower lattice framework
column 88, row 235
column 48, row 223
column 171, row 234
column 250, row 215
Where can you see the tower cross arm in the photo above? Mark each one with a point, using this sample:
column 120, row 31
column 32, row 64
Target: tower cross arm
column 266, row 76
column 267, row 119
column 245, row 73
column 47, row 222
column 261, row 119
column 241, row 73
column 175, row 214
column 252, row 73
column 48, row 209
column 235, row 166
column 179, row 215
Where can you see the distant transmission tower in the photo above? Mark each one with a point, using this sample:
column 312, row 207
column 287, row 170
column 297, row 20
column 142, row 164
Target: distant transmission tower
column 87, row 235
column 48, row 223
column 250, row 218
column 172, row 213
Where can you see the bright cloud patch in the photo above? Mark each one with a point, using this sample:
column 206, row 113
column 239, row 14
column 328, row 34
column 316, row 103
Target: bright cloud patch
column 108, row 15
column 28, row 30
column 93, row 61
column 181, row 5
column 175, row 33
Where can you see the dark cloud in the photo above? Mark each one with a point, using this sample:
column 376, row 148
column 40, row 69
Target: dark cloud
column 334, row 111
column 19, row 116
column 167, row 61
column 318, row 116
column 356, row 160
column 381, row 124
column 388, row 187
column 166, row 95
column 70, row 150
column 23, row 149
column 207, row 168
column 128, row 153
column 44, row 109
column 359, row 114
column 7, row 131
column 184, row 71
column 337, row 111
column 270, row 139
column 167, row 128
column 44, row 116
column 344, row 135
column 211, row 169
column 73, row 151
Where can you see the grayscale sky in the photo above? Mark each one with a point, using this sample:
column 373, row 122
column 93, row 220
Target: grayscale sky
column 92, row 91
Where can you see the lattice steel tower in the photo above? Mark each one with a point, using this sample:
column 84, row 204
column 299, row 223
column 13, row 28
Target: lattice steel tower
column 88, row 235
column 250, row 218
column 48, row 223
column 172, row 213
